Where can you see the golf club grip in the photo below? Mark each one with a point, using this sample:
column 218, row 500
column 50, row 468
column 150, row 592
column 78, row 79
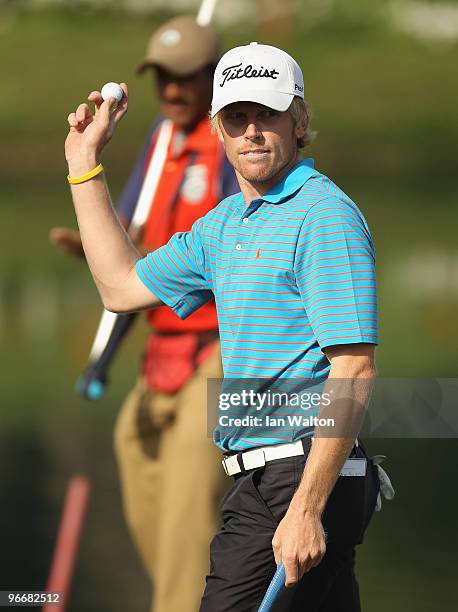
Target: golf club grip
column 274, row 588
column 92, row 381
column 120, row 329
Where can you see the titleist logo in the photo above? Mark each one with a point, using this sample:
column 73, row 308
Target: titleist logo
column 237, row 72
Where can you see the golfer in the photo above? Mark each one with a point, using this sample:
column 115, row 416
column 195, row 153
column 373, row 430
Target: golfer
column 290, row 263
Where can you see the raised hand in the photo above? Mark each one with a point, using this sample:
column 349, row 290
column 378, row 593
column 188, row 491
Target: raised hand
column 90, row 131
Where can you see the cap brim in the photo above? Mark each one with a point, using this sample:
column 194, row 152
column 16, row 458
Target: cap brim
column 272, row 99
column 172, row 67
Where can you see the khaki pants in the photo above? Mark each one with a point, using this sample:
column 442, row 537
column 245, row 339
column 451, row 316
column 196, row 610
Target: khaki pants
column 171, row 482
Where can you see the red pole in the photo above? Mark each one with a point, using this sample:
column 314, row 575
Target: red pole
column 67, row 543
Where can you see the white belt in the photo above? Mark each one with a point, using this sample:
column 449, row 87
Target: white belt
column 258, row 457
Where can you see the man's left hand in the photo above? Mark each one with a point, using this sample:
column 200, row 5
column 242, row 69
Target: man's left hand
column 299, row 543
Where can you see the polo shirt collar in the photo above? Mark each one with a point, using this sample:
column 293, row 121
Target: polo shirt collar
column 284, row 189
column 291, row 182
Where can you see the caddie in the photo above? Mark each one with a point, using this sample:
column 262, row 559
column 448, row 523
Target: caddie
column 164, row 414
column 290, row 263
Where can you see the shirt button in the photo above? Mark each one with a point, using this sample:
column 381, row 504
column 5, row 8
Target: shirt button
column 245, row 220
column 238, row 247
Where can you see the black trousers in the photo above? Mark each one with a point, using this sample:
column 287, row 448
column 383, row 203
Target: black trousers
column 241, row 557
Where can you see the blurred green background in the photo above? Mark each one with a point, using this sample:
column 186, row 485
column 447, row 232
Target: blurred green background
column 384, row 90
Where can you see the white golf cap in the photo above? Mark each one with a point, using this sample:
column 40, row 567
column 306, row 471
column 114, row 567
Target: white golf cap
column 257, row 73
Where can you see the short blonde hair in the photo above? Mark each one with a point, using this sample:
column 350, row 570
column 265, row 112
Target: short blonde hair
column 301, row 113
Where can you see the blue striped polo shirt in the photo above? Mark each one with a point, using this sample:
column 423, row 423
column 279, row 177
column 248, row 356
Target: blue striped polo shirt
column 291, row 273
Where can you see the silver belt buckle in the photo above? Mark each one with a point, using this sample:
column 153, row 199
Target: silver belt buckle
column 231, row 465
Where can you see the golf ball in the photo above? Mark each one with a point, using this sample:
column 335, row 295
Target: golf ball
column 112, row 90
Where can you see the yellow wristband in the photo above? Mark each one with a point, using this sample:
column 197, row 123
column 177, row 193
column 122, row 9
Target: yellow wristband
column 85, row 177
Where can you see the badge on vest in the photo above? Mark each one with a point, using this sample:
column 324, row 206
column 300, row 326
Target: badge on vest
column 195, row 183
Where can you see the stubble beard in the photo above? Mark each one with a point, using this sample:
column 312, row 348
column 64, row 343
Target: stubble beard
column 259, row 176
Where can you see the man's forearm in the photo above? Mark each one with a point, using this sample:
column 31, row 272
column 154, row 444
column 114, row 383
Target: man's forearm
column 328, row 454
column 110, row 254
column 324, row 463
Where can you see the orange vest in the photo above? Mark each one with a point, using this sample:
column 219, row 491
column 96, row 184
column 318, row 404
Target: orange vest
column 188, row 188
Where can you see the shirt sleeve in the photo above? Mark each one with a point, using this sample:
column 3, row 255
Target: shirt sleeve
column 176, row 272
column 129, row 196
column 335, row 274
